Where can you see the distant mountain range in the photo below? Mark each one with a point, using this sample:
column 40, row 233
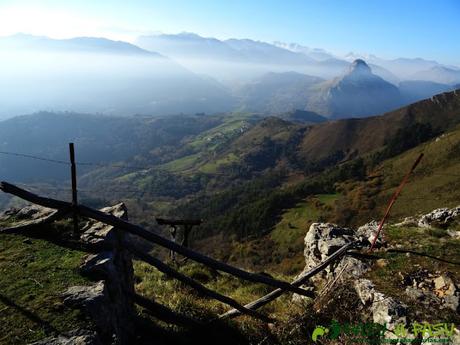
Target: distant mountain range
column 416, row 90
column 25, row 42
column 189, row 46
column 187, row 73
column 99, row 75
column 314, row 53
column 242, row 59
column 357, row 93
column 438, row 74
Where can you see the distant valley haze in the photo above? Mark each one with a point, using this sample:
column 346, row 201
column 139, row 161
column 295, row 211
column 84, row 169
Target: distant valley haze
column 186, row 73
column 115, row 60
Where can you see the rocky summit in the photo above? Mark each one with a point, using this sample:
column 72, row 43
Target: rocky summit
column 357, row 93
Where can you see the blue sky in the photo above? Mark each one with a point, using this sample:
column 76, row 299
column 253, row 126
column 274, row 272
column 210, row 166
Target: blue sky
column 387, row 28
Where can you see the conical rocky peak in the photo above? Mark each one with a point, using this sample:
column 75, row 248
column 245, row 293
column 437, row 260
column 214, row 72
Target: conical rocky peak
column 360, row 66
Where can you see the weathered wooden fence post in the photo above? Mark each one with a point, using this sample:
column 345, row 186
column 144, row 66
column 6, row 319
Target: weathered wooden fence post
column 188, row 224
column 73, row 171
column 111, row 305
column 172, row 233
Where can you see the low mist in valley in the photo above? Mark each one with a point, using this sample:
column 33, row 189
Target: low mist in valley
column 187, row 73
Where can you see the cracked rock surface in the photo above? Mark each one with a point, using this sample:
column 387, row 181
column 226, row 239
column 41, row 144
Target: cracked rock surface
column 323, row 239
column 384, row 309
column 96, row 233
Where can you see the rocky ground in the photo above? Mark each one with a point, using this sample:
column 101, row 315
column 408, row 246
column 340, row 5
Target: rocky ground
column 434, row 290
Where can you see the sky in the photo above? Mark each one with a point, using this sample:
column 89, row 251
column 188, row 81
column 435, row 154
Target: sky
column 387, row 28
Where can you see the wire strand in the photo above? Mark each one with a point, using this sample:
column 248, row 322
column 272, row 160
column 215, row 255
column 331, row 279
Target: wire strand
column 102, row 165
column 24, row 155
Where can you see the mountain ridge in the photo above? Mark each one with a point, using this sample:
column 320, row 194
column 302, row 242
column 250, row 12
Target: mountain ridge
column 88, row 74
column 89, row 44
column 356, row 93
column 99, row 75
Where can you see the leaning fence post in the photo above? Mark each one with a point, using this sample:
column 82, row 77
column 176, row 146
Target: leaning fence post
column 173, row 232
column 73, row 171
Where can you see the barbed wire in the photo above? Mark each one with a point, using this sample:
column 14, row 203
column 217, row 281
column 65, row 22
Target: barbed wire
column 156, row 169
column 24, row 155
column 31, row 186
column 107, row 165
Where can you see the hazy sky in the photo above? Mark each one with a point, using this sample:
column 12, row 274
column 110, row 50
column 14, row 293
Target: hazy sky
column 388, row 28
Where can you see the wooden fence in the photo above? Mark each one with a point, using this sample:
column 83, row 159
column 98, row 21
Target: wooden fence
column 64, row 209
column 76, row 210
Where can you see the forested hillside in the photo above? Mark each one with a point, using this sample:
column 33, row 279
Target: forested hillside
column 239, row 172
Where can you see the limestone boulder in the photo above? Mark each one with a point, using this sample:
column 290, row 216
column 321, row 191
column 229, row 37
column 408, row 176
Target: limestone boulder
column 384, row 309
column 76, row 337
column 26, row 215
column 322, row 240
column 97, row 234
column 441, row 216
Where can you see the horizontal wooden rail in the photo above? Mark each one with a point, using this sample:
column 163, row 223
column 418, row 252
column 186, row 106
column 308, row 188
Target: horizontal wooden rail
column 162, row 267
column 297, row 282
column 23, row 194
column 150, row 236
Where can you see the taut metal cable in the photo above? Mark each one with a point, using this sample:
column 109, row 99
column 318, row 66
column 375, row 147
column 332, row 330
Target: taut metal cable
column 34, row 157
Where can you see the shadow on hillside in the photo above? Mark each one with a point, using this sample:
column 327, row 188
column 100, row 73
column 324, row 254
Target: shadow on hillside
column 207, row 334
column 148, row 329
column 49, row 329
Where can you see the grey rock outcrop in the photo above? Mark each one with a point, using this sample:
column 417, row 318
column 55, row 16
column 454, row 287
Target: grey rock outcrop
column 98, row 234
column 441, row 216
column 78, row 337
column 367, row 232
column 26, row 215
column 434, row 290
column 109, row 302
column 95, row 302
column 323, row 239
column 431, row 289
column 454, row 234
column 30, row 212
column 384, row 309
